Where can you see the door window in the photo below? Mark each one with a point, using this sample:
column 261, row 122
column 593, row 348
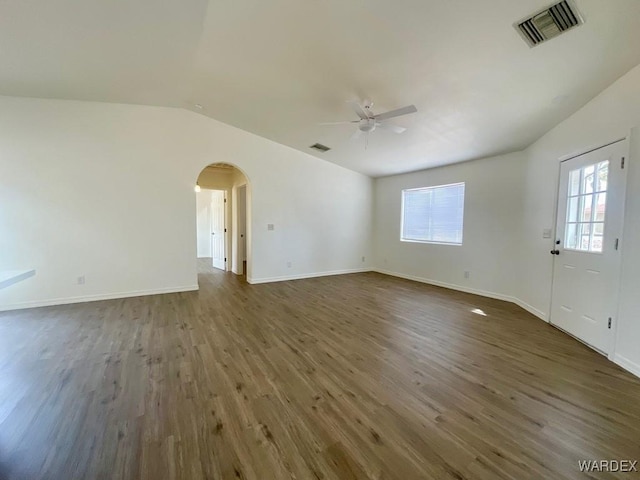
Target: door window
column 586, row 207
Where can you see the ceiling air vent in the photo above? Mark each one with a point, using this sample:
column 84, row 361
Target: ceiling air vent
column 549, row 23
column 320, row 147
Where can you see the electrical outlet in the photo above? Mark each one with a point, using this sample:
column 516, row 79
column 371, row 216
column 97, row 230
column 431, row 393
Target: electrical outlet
column 270, row 226
column 467, row 274
column 363, row 258
column 288, row 264
column 81, row 280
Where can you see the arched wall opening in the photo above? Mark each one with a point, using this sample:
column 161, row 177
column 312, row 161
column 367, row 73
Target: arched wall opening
column 224, row 182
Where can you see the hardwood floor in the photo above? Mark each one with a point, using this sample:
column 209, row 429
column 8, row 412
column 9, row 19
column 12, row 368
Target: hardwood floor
column 358, row 376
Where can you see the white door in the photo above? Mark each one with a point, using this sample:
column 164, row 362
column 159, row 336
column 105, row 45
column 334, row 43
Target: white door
column 586, row 268
column 217, row 229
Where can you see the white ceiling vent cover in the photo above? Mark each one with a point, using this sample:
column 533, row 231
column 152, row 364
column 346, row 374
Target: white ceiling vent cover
column 549, row 23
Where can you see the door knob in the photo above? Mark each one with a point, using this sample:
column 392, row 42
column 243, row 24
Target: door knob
column 555, row 252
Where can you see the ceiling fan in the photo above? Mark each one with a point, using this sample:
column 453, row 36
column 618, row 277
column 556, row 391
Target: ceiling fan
column 369, row 121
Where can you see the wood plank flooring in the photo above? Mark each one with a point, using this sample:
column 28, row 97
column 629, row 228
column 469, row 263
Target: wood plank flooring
column 358, row 376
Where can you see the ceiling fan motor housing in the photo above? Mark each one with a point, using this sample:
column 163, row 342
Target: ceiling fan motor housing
column 367, row 125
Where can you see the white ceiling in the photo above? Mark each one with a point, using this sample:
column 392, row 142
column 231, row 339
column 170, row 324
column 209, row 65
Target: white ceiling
column 279, row 68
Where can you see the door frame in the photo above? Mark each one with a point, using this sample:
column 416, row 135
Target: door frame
column 237, row 252
column 227, row 229
column 230, row 217
column 613, row 340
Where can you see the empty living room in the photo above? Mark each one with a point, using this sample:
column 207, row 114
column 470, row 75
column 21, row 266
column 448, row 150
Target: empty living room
column 322, row 240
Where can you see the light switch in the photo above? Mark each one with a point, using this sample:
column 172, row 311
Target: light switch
column 270, row 226
column 546, row 233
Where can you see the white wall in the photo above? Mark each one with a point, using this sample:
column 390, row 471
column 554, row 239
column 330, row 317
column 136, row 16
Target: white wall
column 106, row 191
column 628, row 332
column 608, row 117
column 491, row 219
column 203, row 223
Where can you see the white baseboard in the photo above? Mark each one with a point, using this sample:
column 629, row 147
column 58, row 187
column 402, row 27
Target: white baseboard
column 475, row 291
column 286, row 278
column 627, row 364
column 532, row 310
column 452, row 286
column 94, row 298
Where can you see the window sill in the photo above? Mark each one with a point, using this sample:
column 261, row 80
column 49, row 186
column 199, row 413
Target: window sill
column 431, row 243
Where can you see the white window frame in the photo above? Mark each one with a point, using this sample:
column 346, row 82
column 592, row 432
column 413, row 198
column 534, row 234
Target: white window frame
column 433, row 187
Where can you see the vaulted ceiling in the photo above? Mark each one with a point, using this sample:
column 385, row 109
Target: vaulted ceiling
column 279, row 68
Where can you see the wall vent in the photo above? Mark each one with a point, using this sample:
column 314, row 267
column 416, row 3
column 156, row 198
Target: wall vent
column 549, row 23
column 320, row 147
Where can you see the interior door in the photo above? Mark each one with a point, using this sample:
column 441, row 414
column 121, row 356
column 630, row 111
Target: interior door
column 586, row 268
column 217, row 229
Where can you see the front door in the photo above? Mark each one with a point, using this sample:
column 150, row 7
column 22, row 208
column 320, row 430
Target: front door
column 586, row 268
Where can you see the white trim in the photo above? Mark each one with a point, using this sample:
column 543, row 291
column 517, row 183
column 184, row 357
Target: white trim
column 474, row 291
column 451, row 286
column 285, row 278
column 532, row 310
column 627, row 364
column 593, row 148
column 94, row 298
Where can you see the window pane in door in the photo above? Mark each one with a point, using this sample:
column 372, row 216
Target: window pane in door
column 572, row 236
column 598, row 229
column 572, row 214
column 601, row 203
column 574, row 183
column 587, row 185
column 586, row 208
column 603, row 172
column 585, row 230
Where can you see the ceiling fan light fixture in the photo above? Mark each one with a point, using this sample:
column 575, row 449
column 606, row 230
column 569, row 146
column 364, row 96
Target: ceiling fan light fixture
column 367, row 126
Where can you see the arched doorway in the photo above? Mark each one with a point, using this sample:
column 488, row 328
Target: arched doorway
column 223, row 217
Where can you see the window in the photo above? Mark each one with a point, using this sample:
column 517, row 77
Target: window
column 433, row 214
column 586, row 206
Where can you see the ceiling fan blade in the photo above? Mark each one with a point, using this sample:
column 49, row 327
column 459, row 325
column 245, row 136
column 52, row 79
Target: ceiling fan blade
column 396, row 113
column 357, row 134
column 340, row 123
column 359, row 110
column 392, row 127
